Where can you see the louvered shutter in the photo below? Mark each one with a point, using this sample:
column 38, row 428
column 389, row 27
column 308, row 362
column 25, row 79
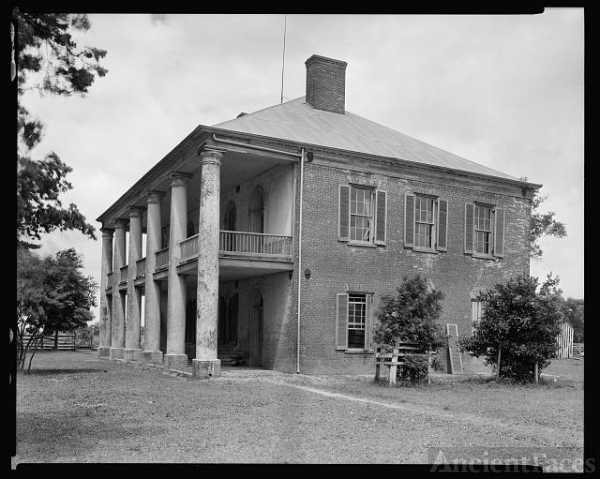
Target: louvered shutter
column 499, row 232
column 344, row 213
column 381, row 217
column 469, row 228
column 409, row 220
column 442, row 225
column 369, row 323
column 341, row 321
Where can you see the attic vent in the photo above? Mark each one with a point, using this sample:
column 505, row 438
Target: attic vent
column 241, row 114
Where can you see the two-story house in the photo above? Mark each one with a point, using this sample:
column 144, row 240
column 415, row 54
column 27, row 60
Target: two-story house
column 274, row 235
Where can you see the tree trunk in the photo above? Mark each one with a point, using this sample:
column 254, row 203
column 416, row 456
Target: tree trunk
column 498, row 365
column 56, row 339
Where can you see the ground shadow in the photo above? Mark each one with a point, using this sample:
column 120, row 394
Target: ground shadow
column 52, row 372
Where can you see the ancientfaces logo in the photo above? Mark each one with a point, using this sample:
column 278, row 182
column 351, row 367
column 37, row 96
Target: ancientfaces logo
column 558, row 459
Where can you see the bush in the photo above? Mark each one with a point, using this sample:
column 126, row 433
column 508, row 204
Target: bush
column 415, row 368
column 520, row 323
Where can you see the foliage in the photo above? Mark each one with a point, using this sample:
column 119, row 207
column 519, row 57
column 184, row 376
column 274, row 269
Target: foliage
column 52, row 295
column 542, row 224
column 49, row 61
column 410, row 316
column 415, row 368
column 520, row 322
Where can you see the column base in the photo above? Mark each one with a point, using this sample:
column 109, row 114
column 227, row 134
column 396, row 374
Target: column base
column 154, row 357
column 116, row 353
column 103, row 352
column 175, row 361
column 206, row 368
column 132, row 355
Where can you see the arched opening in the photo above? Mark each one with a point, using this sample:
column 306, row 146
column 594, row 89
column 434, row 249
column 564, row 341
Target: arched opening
column 255, row 330
column 229, row 220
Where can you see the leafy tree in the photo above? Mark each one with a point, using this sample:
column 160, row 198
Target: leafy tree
column 52, row 295
column 411, row 316
column 48, row 61
column 542, row 224
column 518, row 327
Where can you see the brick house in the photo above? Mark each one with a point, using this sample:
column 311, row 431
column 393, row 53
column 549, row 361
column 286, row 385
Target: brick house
column 272, row 236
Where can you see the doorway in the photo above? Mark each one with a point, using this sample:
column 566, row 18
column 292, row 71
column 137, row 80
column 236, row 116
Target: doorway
column 255, row 330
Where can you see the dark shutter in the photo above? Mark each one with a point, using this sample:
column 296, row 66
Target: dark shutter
column 380, row 220
column 344, row 213
column 409, row 220
column 442, row 225
column 369, row 323
column 499, row 232
column 469, row 228
column 341, row 321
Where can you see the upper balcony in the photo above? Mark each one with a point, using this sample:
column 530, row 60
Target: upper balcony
column 241, row 254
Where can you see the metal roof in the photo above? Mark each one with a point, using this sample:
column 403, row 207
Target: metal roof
column 299, row 122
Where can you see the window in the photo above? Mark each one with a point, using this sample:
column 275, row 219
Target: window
column 354, row 322
column 425, row 222
column 362, row 215
column 228, row 320
column 484, row 230
column 476, row 312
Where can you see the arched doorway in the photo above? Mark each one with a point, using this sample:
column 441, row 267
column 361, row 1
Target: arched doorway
column 255, row 330
column 229, row 224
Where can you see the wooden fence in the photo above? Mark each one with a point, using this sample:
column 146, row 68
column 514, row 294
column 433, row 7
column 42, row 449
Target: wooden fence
column 396, row 358
column 564, row 343
column 66, row 341
column 577, row 349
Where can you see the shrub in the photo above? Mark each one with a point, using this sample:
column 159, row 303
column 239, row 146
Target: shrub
column 519, row 324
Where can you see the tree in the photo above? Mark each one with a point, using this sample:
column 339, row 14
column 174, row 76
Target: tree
column 52, row 295
column 542, row 224
column 49, row 61
column 573, row 312
column 411, row 316
column 518, row 327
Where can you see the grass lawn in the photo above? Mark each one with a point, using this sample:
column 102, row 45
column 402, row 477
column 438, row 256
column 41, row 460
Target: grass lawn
column 76, row 408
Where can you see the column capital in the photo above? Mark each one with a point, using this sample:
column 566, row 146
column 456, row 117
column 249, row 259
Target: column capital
column 154, row 196
column 107, row 232
column 179, row 178
column 135, row 211
column 121, row 223
column 211, row 157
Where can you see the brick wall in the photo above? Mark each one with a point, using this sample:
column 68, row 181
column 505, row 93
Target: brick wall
column 336, row 266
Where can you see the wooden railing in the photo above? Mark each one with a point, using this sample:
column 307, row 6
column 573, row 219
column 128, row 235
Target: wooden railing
column 123, row 276
column 188, row 247
column 162, row 258
column 140, row 268
column 396, row 358
column 255, row 243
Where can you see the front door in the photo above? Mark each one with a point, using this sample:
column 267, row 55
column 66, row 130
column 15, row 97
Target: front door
column 256, row 320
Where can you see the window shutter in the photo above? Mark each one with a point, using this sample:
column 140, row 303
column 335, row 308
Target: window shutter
column 381, row 217
column 499, row 232
column 369, row 324
column 442, row 225
column 409, row 220
column 341, row 321
column 469, row 228
column 344, row 213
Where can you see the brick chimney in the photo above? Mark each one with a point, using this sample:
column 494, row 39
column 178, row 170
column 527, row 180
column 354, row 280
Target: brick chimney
column 326, row 84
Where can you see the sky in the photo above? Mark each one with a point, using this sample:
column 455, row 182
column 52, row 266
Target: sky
column 506, row 91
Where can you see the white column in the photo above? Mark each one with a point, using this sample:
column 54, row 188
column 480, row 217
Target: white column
column 152, row 352
column 133, row 348
column 206, row 363
column 117, row 340
column 175, row 358
column 106, row 268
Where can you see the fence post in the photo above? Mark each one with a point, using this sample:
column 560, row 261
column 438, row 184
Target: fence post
column 377, row 365
column 393, row 367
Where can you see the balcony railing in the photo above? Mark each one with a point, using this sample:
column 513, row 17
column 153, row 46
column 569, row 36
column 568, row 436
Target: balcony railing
column 123, row 276
column 162, row 258
column 189, row 247
column 255, row 243
column 140, row 268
